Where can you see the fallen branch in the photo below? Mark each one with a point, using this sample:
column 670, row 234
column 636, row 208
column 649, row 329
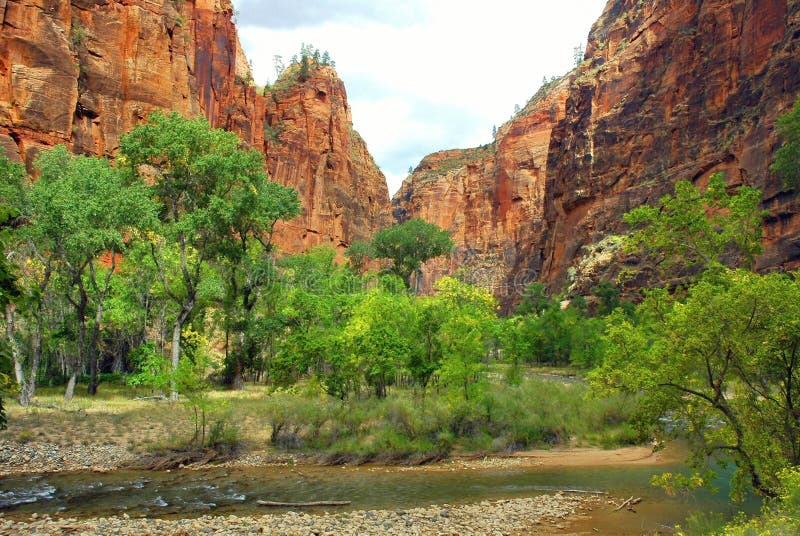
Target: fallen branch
column 581, row 491
column 628, row 503
column 157, row 397
column 302, row 504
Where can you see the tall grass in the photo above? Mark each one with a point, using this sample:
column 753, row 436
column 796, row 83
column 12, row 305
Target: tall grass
column 535, row 413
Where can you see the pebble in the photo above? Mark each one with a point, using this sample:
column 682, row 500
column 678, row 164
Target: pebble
column 40, row 457
column 514, row 516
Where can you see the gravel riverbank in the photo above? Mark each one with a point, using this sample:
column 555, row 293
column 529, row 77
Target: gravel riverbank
column 18, row 458
column 38, row 457
column 545, row 514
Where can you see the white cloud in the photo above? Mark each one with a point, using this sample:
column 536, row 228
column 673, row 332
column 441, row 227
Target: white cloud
column 434, row 77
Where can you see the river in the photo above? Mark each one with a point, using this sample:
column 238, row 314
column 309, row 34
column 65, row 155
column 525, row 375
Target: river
column 188, row 493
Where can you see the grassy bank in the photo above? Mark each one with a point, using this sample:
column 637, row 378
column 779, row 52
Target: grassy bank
column 404, row 426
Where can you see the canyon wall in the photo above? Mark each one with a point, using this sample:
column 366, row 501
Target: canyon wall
column 668, row 90
column 82, row 73
column 490, row 198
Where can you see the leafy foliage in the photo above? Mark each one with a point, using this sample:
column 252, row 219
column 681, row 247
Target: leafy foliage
column 694, row 229
column 408, row 245
column 724, row 364
column 781, row 516
column 9, row 291
column 787, row 158
column 216, row 204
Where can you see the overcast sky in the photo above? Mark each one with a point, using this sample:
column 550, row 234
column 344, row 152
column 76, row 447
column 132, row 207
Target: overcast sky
column 422, row 76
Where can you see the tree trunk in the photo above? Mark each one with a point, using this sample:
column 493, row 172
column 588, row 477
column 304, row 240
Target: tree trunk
column 98, row 317
column 238, row 378
column 92, row 388
column 176, row 356
column 29, row 385
column 239, row 354
column 19, row 373
column 70, row 391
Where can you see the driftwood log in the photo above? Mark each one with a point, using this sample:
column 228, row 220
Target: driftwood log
column 302, row 504
column 588, row 492
column 629, row 503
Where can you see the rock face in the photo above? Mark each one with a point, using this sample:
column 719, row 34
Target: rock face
column 668, row 90
column 673, row 90
column 490, row 198
column 83, row 73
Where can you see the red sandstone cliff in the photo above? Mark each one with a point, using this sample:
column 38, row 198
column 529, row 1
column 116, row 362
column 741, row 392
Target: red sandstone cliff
column 491, row 198
column 669, row 89
column 83, row 73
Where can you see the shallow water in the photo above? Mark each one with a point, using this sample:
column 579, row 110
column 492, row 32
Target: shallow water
column 187, row 493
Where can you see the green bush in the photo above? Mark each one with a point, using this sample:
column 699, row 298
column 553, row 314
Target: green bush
column 224, row 437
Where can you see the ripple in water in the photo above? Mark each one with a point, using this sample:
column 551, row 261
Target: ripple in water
column 15, row 497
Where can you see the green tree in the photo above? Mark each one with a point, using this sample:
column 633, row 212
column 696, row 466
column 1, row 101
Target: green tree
column 9, row 292
column 464, row 336
column 12, row 203
column 318, row 299
column 192, row 170
column 377, row 338
column 245, row 220
column 425, row 357
column 408, row 245
column 534, row 299
column 787, row 158
column 725, row 363
column 79, row 209
column 358, row 255
column 697, row 230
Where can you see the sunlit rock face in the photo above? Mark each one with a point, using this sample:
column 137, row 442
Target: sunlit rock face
column 491, row 198
column 82, row 73
column 668, row 90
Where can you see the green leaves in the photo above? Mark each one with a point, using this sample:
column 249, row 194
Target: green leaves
column 376, row 337
column 693, row 229
column 787, row 158
column 217, row 208
column 408, row 245
column 80, row 207
column 723, row 364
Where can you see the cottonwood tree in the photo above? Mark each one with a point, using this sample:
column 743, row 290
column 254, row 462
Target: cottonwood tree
column 79, row 209
column 691, row 229
column 376, row 338
column 408, row 245
column 245, row 221
column 9, row 292
column 192, row 171
column 464, row 336
column 721, row 363
column 724, row 363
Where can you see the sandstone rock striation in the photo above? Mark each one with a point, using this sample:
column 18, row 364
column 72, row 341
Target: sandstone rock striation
column 668, row 90
column 82, row 73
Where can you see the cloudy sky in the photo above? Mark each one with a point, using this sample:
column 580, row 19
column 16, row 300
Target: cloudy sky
column 423, row 75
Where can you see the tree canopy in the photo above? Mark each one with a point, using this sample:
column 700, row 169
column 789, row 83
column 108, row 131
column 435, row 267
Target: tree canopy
column 721, row 364
column 787, row 158
column 693, row 229
column 410, row 244
column 216, row 202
